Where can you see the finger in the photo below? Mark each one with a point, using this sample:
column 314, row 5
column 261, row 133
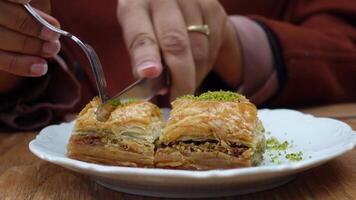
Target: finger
column 15, row 42
column 224, row 46
column 174, row 41
column 140, row 38
column 199, row 42
column 16, row 18
column 213, row 14
column 22, row 65
column 20, row 1
column 45, row 33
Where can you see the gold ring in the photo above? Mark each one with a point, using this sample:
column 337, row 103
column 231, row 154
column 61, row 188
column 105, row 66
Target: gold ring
column 204, row 29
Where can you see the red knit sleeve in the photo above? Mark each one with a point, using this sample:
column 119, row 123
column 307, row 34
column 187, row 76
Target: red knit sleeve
column 317, row 41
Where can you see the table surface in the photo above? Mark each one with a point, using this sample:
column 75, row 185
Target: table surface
column 24, row 176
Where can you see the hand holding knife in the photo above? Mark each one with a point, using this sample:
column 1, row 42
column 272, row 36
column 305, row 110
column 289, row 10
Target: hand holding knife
column 142, row 89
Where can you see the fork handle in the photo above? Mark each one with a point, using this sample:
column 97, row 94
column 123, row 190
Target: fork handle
column 88, row 50
column 99, row 74
column 96, row 68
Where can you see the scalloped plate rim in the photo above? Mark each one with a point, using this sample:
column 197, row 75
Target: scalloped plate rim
column 102, row 170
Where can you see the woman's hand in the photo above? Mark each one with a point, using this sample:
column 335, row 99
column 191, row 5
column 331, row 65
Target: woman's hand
column 155, row 28
column 24, row 43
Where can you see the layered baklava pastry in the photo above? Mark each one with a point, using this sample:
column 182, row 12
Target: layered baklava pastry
column 126, row 138
column 216, row 130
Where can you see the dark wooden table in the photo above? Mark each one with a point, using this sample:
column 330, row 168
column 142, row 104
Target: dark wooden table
column 24, row 176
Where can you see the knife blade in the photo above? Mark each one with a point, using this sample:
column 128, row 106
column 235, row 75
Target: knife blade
column 142, row 89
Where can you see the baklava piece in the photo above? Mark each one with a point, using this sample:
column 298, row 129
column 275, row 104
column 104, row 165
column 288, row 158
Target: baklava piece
column 125, row 139
column 216, row 130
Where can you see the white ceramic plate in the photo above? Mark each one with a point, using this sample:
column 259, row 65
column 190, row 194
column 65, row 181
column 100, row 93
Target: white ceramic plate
column 320, row 140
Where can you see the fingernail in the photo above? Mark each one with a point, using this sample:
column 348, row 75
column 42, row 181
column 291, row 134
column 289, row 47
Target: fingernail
column 51, row 48
column 49, row 35
column 149, row 69
column 39, row 69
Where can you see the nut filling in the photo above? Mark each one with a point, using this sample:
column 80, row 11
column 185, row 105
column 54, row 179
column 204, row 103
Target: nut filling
column 235, row 150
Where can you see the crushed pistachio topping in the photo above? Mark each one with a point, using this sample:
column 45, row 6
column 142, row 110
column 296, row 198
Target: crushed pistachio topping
column 129, row 101
column 275, row 158
column 118, row 102
column 115, row 102
column 295, row 156
column 225, row 96
column 277, row 149
column 273, row 143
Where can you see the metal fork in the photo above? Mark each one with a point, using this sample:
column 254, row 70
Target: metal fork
column 88, row 50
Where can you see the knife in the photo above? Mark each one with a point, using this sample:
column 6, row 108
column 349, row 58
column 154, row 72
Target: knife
column 142, row 89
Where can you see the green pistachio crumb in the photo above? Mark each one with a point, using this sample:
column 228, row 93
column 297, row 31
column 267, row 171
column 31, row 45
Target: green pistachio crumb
column 117, row 102
column 129, row 101
column 274, row 144
column 224, row 96
column 276, row 149
column 295, row 156
column 275, row 159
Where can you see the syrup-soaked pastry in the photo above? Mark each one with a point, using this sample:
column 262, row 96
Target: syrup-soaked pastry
column 216, row 130
column 126, row 138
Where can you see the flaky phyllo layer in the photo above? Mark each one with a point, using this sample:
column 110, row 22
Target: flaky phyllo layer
column 126, row 138
column 212, row 131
